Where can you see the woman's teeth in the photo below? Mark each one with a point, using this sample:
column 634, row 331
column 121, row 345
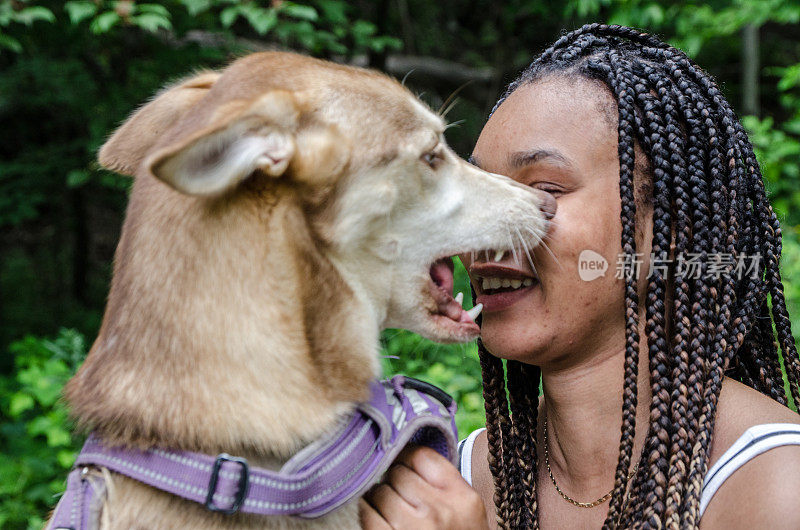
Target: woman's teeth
column 500, row 283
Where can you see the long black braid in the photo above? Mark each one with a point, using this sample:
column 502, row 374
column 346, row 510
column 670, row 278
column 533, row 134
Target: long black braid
column 708, row 199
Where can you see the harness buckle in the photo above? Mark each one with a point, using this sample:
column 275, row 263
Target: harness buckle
column 241, row 492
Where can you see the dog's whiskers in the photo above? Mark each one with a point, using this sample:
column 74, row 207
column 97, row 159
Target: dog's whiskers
column 454, row 124
column 450, row 107
column 527, row 249
column 513, row 248
column 544, row 244
column 451, row 100
column 403, row 82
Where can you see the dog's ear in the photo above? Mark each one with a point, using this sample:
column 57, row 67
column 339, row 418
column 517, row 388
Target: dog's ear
column 242, row 137
column 128, row 146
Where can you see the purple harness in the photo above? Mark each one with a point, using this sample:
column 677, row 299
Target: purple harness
column 326, row 474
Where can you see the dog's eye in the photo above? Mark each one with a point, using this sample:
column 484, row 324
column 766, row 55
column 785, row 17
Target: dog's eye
column 432, row 158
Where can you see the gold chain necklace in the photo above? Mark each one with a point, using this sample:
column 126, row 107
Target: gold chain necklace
column 566, row 497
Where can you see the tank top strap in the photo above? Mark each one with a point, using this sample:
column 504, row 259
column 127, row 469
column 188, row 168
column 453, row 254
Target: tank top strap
column 465, row 454
column 755, row 440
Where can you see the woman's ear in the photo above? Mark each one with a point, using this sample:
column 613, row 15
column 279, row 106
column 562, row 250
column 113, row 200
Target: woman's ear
column 129, row 145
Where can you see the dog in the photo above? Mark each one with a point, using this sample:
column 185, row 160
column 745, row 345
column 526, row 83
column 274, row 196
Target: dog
column 283, row 212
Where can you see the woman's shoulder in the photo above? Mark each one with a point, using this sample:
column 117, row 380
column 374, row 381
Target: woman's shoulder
column 740, row 408
column 769, row 481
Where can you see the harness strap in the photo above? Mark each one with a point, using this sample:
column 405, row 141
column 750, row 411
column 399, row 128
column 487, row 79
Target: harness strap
column 320, row 478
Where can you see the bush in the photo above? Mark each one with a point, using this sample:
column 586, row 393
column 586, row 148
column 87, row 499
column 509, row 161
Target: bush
column 36, row 445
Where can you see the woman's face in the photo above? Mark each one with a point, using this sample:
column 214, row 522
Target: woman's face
column 558, row 135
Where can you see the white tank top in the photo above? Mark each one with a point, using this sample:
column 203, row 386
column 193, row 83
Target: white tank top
column 755, row 440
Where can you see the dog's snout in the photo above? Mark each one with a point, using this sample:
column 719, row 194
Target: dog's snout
column 547, row 204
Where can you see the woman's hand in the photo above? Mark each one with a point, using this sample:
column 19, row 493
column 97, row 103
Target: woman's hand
column 422, row 490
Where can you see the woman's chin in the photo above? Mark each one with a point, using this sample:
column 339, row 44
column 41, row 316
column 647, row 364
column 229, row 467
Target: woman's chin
column 505, row 339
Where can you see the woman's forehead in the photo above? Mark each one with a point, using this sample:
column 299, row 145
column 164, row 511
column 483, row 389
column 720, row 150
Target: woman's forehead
column 567, row 117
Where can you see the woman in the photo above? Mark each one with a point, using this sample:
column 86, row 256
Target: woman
column 663, row 402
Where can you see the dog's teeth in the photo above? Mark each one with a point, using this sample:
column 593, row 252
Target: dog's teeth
column 516, row 284
column 459, row 298
column 527, row 282
column 498, row 255
column 475, row 311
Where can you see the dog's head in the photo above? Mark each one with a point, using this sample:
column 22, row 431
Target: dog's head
column 382, row 197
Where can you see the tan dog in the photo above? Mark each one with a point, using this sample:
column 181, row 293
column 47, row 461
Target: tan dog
column 284, row 211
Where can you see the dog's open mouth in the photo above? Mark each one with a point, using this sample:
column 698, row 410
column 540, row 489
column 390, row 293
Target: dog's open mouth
column 449, row 313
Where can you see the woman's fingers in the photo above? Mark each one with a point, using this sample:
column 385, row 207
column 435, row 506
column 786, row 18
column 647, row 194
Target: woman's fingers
column 370, row 517
column 432, row 467
column 409, row 485
column 423, row 490
column 391, row 505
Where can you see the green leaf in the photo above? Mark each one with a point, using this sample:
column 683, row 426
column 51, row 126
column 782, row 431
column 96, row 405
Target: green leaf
column 229, row 15
column 29, row 15
column 77, row 178
column 262, row 20
column 156, row 9
column 333, row 10
column 39, row 425
column 151, row 22
column 380, row 43
column 10, row 43
column 299, row 11
column 20, row 403
column 57, row 436
column 362, row 28
column 195, row 7
column 790, row 78
column 104, row 22
column 66, row 458
column 79, row 11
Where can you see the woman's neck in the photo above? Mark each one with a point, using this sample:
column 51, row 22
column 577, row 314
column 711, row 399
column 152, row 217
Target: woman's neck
column 583, row 410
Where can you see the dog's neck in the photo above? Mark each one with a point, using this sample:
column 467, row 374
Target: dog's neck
column 226, row 330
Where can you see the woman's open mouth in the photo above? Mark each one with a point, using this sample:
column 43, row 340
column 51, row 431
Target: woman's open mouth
column 500, row 286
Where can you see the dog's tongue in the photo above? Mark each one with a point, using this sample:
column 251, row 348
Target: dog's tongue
column 442, row 276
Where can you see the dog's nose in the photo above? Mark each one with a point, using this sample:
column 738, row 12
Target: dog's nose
column 548, row 204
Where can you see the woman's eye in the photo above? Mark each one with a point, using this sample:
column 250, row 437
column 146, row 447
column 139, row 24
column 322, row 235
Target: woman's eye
column 432, row 158
column 549, row 189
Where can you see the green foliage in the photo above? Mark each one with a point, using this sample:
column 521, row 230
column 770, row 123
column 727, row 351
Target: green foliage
column 453, row 368
column 319, row 26
column 36, row 445
column 21, row 13
column 777, row 146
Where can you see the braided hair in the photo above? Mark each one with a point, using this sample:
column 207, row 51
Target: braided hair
column 707, row 197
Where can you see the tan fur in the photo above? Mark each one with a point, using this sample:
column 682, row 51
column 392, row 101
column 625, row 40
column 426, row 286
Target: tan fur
column 277, row 222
